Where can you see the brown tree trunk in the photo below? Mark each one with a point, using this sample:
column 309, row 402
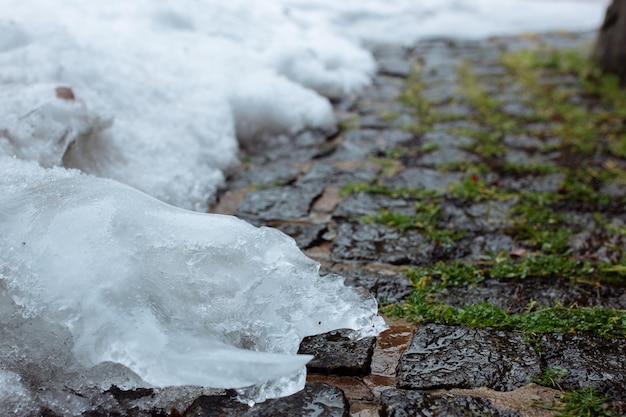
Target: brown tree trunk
column 610, row 48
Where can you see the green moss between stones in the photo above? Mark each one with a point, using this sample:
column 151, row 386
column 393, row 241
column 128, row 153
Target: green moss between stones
column 585, row 402
column 550, row 377
column 584, row 112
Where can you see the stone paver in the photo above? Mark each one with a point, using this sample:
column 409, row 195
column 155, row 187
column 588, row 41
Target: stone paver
column 336, row 353
column 588, row 361
column 460, row 357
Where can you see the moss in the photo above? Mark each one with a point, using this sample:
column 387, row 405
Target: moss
column 412, row 97
column 446, row 274
column 475, row 189
column 428, row 281
column 550, row 377
column 575, row 116
column 537, row 225
column 583, row 114
column 542, row 266
column 585, row 402
column 426, row 220
column 349, row 123
column 395, row 192
column 583, row 131
column 605, row 322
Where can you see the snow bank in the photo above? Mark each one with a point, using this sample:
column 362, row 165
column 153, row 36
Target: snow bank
column 100, row 283
column 159, row 95
column 405, row 21
column 164, row 90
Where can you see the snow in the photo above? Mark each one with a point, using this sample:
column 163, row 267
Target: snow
column 405, row 21
column 160, row 82
column 105, row 103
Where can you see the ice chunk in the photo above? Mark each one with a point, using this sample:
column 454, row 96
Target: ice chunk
column 178, row 297
column 40, row 122
column 15, row 399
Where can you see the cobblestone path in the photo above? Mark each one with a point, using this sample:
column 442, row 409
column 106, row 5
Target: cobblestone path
column 477, row 190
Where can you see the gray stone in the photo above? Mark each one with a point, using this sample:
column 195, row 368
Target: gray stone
column 423, row 179
column 606, row 247
column 517, row 109
column 315, row 400
column 487, row 217
column 455, row 110
column 378, row 108
column 387, row 139
column 459, row 357
column 401, row 403
column 614, row 189
column 440, row 93
column 373, row 122
column 447, row 139
column 384, row 92
column 522, row 141
column 301, row 147
column 458, row 124
column 359, row 144
column 518, row 157
column 447, row 155
column 386, row 287
column 306, row 235
column 280, row 203
column 515, row 294
column 338, row 354
column 379, row 243
column 548, row 183
column 487, row 245
column 395, row 67
column 489, row 70
column 310, row 138
column 589, row 361
column 363, row 204
column 526, row 159
column 329, row 175
column 382, row 51
column 137, row 402
column 265, row 176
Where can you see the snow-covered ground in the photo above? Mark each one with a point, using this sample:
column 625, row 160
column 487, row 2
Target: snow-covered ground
column 158, row 95
column 164, row 90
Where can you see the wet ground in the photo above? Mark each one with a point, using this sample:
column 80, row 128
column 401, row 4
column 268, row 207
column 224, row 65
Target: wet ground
column 477, row 190
column 467, row 207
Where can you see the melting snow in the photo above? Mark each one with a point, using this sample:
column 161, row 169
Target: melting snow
column 101, row 283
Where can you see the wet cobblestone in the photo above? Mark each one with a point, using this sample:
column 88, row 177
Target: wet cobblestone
column 442, row 356
column 414, row 162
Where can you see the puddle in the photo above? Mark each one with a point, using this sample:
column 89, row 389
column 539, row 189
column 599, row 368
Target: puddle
column 390, row 346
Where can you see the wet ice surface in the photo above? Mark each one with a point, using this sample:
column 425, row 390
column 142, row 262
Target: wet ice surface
column 96, row 272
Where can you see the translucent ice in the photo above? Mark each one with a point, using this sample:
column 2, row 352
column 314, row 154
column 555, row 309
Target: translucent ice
column 112, row 275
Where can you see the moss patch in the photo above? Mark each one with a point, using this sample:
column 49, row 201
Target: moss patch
column 575, row 117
